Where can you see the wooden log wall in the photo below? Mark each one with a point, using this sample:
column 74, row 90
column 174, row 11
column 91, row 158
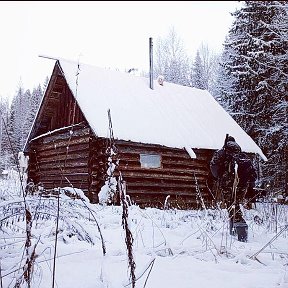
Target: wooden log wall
column 97, row 166
column 84, row 164
column 61, row 159
column 180, row 177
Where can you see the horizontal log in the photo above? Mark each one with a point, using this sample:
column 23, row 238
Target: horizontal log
column 64, row 183
column 183, row 160
column 126, row 164
column 56, row 170
column 76, row 177
column 60, row 143
column 167, row 171
column 159, row 176
column 188, row 166
column 64, row 157
column 49, row 184
column 62, row 164
column 69, row 176
column 63, row 150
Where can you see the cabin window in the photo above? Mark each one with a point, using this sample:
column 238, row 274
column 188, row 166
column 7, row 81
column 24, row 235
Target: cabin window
column 150, row 160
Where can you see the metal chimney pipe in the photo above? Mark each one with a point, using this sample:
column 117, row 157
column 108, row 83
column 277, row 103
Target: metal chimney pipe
column 151, row 62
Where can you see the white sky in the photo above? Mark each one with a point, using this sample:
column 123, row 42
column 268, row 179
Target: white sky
column 111, row 34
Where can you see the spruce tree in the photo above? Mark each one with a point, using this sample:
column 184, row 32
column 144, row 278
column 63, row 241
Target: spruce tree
column 256, row 60
column 34, row 104
column 22, row 113
column 5, row 154
column 205, row 69
column 17, row 120
column 198, row 73
column 223, row 91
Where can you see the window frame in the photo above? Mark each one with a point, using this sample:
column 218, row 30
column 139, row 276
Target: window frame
column 147, row 164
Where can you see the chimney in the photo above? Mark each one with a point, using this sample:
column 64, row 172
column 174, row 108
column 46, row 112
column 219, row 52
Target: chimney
column 151, row 62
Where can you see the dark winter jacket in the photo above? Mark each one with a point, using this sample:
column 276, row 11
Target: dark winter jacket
column 223, row 166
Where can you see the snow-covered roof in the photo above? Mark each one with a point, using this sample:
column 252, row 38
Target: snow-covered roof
column 171, row 115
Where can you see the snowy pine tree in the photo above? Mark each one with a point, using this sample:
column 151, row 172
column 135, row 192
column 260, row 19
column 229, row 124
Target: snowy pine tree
column 198, row 73
column 4, row 152
column 257, row 61
column 205, row 69
column 22, row 113
column 34, row 103
column 223, row 91
column 17, row 118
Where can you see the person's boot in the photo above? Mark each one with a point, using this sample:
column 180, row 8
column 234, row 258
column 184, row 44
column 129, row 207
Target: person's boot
column 241, row 230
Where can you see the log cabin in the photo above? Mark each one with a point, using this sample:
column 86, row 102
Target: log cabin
column 165, row 135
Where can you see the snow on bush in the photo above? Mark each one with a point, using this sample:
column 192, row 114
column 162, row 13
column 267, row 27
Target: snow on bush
column 162, row 239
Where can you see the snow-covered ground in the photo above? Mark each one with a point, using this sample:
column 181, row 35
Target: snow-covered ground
column 171, row 248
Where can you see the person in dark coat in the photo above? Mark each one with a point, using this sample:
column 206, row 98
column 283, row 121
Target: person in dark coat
column 235, row 175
